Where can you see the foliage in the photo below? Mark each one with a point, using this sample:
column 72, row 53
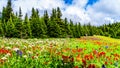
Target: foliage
column 47, row 26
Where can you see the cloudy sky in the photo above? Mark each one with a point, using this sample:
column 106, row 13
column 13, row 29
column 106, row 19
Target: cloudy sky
column 97, row 12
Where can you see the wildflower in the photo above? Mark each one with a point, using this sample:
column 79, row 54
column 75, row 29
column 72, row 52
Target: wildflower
column 80, row 49
column 106, row 47
column 7, row 55
column 95, row 52
column 36, row 57
column 19, row 52
column 25, row 47
column 4, row 58
column 76, row 67
column 102, row 54
column 91, row 66
column 71, row 59
column 103, row 66
column 65, row 58
column 8, row 48
column 78, row 58
column 16, row 49
column 3, row 51
column 33, row 57
column 106, row 62
column 25, row 56
column 84, row 62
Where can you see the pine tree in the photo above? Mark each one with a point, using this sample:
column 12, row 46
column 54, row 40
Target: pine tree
column 46, row 22
column 1, row 29
column 10, row 31
column 46, row 17
column 72, row 33
column 54, row 29
column 8, row 11
column 27, row 27
column 53, row 15
column 3, row 14
column 20, row 14
column 67, row 27
column 79, row 29
column 59, row 14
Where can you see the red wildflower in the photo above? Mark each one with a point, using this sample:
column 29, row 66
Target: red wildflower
column 74, row 50
column 95, row 52
column 78, row 58
column 67, row 49
column 76, row 67
column 58, row 53
column 106, row 62
column 65, row 58
column 79, row 50
column 33, row 57
column 3, row 51
column 84, row 62
column 91, row 66
column 111, row 63
column 71, row 59
column 86, row 57
column 116, row 58
column 102, row 53
column 2, row 61
column 116, row 55
column 91, row 56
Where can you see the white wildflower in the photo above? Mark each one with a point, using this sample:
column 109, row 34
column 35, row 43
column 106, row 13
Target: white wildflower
column 25, row 47
column 7, row 55
column 30, row 52
column 7, row 47
column 4, row 58
column 25, row 56
column 36, row 57
column 15, row 49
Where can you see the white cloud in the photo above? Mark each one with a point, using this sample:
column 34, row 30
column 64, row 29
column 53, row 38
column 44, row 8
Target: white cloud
column 76, row 14
column 2, row 3
column 101, row 12
column 76, row 11
column 104, row 11
column 27, row 5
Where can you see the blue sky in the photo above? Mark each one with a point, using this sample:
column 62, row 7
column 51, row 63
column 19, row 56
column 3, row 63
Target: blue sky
column 68, row 1
column 90, row 2
column 97, row 12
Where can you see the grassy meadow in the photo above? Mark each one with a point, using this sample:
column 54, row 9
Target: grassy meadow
column 84, row 52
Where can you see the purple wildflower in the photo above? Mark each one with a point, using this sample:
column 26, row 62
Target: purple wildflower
column 19, row 52
column 106, row 47
column 103, row 66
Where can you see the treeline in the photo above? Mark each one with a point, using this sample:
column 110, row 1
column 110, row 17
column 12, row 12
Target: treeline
column 48, row 26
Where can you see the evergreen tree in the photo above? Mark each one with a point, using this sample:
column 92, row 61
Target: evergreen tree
column 59, row 14
column 67, row 27
column 72, row 33
column 54, row 25
column 27, row 28
column 54, row 29
column 79, row 29
column 20, row 14
column 7, row 11
column 10, row 28
column 46, row 22
column 1, row 29
column 3, row 14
